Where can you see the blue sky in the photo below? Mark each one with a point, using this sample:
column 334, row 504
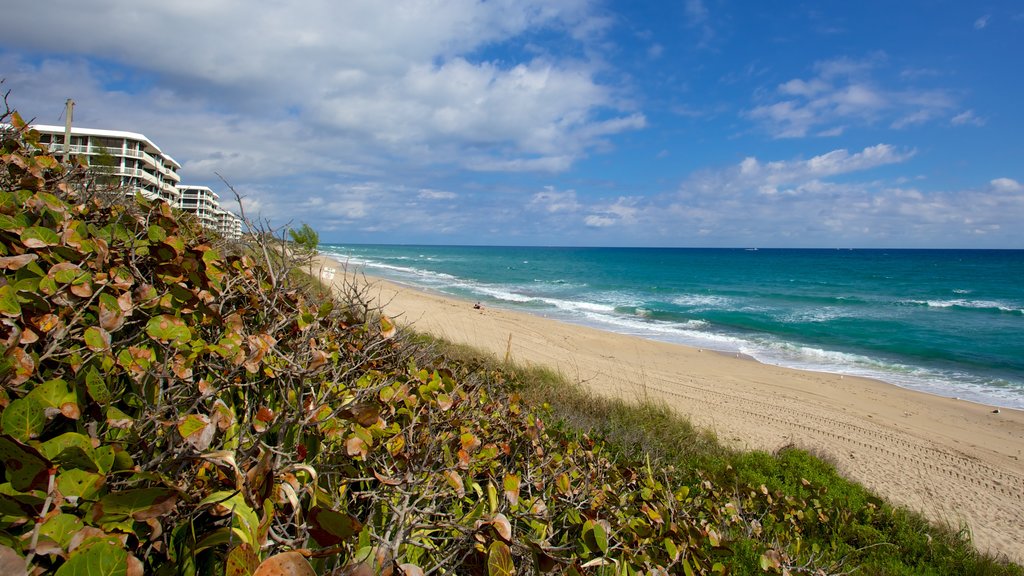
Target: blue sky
column 562, row 122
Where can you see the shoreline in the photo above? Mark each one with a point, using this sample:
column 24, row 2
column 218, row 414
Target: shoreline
column 955, row 461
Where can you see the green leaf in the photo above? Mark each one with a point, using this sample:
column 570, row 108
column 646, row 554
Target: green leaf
column 80, row 483
column 39, row 237
column 25, row 467
column 492, row 497
column 101, row 558
column 241, row 561
column 595, row 536
column 167, row 328
column 138, row 504
column 52, row 393
column 61, row 528
column 97, row 339
column 70, row 450
column 23, row 419
column 243, row 516
column 156, row 233
column 499, row 560
column 9, row 301
column 511, row 486
column 97, row 387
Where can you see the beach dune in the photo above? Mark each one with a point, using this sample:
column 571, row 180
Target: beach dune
column 956, row 462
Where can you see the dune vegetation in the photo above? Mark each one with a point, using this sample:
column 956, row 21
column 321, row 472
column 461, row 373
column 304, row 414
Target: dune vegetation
column 172, row 403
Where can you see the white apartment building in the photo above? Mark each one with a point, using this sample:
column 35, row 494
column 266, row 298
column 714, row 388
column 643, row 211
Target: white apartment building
column 139, row 163
column 205, row 204
column 140, row 166
column 228, row 224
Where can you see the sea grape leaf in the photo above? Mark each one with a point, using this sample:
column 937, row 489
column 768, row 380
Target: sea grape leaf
column 23, row 419
column 71, row 450
column 117, row 418
column 12, row 563
column 330, row 528
column 502, row 526
column 197, row 430
column 499, row 560
column 79, row 483
column 39, row 237
column 156, row 233
column 138, row 504
column 167, row 328
column 241, row 561
column 65, row 272
column 99, row 558
column 511, row 485
column 25, row 467
column 595, row 536
column 52, row 393
column 9, row 301
column 17, row 262
column 111, row 315
column 97, row 339
column 285, row 564
column 61, row 527
column 96, row 386
column 233, row 502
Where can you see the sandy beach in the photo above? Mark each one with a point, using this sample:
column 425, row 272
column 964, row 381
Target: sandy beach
column 955, row 461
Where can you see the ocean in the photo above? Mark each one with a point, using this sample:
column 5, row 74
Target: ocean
column 947, row 322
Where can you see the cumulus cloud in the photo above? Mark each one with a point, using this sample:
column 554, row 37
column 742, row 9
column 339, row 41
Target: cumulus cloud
column 400, row 80
column 982, row 22
column 1006, row 185
column 844, row 91
column 830, row 200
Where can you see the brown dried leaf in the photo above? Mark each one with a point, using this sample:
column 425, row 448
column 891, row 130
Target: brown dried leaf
column 24, row 366
column 111, row 319
column 355, row 446
column 17, row 262
column 285, row 564
column 455, row 481
column 83, row 290
column 502, row 526
column 28, row 336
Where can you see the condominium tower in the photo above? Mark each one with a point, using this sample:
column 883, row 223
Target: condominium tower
column 138, row 165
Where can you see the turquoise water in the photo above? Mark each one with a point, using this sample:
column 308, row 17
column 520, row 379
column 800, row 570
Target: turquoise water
column 949, row 322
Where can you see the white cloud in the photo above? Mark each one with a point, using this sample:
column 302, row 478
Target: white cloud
column 367, row 80
column 599, row 221
column 982, row 22
column 752, row 172
column 967, row 117
column 827, row 200
column 696, row 11
column 844, row 92
column 1006, row 185
column 553, row 201
column 436, row 195
column 624, row 211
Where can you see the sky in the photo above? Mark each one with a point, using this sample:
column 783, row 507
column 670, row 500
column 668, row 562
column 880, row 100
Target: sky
column 691, row 123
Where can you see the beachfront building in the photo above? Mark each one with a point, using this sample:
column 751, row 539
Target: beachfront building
column 228, row 224
column 205, row 204
column 201, row 201
column 131, row 160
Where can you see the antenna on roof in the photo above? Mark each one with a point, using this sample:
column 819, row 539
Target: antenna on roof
column 69, row 109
